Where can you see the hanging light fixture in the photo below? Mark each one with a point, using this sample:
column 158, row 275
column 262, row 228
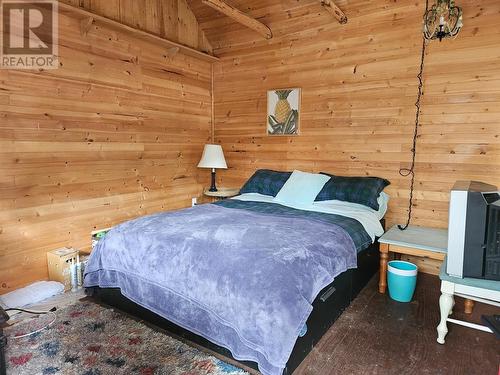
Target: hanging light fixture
column 442, row 20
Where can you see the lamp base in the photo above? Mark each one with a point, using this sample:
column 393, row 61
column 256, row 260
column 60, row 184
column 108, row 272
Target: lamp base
column 212, row 186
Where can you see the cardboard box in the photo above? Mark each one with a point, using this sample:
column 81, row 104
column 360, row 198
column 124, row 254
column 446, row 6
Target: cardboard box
column 59, row 262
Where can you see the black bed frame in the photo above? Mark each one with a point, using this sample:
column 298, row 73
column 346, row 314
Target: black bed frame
column 327, row 307
column 3, row 341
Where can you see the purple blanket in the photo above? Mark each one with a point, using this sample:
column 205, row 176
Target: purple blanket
column 243, row 280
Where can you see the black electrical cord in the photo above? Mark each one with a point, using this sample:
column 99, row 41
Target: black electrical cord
column 32, row 311
column 411, row 171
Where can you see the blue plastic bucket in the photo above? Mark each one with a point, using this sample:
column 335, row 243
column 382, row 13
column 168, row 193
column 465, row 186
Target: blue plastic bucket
column 401, row 280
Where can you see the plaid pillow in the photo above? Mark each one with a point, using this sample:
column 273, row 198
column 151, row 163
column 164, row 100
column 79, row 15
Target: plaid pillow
column 265, row 181
column 362, row 190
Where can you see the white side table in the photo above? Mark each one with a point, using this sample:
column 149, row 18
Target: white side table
column 485, row 291
column 416, row 241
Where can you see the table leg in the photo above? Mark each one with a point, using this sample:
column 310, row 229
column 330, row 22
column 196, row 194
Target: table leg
column 468, row 305
column 446, row 302
column 384, row 256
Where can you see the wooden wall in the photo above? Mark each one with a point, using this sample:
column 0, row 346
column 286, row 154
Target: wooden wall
column 358, row 91
column 171, row 19
column 114, row 133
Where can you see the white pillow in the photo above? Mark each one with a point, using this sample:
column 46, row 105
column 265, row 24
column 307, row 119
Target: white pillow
column 301, row 188
column 383, row 202
column 31, row 294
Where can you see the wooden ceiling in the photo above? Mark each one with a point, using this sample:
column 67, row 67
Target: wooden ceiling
column 212, row 26
column 283, row 17
column 172, row 20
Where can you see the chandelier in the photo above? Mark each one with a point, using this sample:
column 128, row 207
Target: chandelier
column 442, row 20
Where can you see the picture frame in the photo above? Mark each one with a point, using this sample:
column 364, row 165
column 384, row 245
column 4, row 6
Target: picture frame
column 283, row 112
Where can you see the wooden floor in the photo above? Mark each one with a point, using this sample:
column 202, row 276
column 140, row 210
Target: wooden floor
column 376, row 335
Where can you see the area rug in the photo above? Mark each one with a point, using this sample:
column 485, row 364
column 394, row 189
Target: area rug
column 89, row 339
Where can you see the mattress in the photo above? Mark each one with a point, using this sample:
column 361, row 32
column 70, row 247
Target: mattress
column 241, row 274
column 353, row 225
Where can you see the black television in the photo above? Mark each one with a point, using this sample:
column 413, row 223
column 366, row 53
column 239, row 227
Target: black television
column 492, row 246
column 474, row 231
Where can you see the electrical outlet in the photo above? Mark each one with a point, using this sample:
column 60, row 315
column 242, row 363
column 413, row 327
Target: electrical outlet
column 194, row 201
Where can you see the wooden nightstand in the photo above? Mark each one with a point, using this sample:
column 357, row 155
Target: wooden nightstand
column 415, row 241
column 222, row 193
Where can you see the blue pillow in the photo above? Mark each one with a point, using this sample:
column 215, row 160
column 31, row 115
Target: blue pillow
column 361, row 190
column 301, row 188
column 265, row 181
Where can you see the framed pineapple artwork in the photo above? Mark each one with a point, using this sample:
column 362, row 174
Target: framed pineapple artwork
column 283, row 110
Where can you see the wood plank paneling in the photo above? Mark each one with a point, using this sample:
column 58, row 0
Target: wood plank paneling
column 114, row 133
column 171, row 19
column 358, row 91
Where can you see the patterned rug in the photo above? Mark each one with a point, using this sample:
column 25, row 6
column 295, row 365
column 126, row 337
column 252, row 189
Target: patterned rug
column 88, row 339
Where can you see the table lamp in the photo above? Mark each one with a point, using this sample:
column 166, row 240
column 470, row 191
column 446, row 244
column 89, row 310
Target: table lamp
column 213, row 157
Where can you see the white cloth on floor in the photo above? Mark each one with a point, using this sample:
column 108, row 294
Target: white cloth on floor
column 31, row 294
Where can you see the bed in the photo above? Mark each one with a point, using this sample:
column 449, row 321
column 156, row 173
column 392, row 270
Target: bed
column 246, row 277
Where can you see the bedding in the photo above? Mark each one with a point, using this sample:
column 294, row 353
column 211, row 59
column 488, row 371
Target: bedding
column 361, row 222
column 266, row 182
column 358, row 190
column 361, row 190
column 383, row 205
column 301, row 188
column 242, row 274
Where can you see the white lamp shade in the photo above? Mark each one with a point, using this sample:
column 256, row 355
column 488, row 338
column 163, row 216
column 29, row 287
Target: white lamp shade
column 212, row 157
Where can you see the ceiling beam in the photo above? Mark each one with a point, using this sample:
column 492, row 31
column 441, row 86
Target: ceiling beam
column 240, row 17
column 334, row 10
